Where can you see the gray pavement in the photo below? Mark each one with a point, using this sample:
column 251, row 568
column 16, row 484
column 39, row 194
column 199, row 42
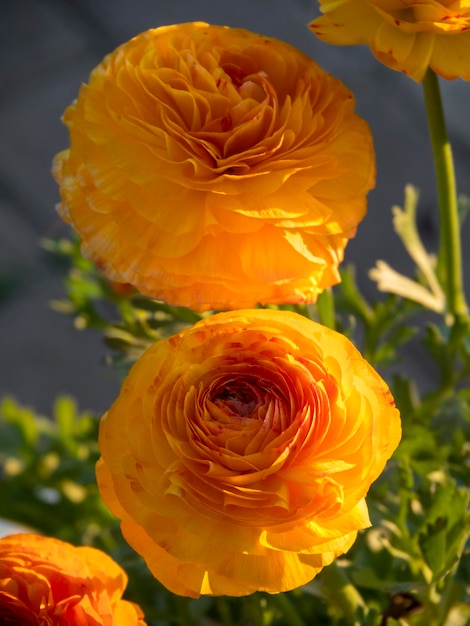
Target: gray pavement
column 48, row 47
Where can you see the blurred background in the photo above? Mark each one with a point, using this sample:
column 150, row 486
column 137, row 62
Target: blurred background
column 48, row 48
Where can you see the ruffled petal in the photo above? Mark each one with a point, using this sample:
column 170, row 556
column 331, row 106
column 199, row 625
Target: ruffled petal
column 239, row 452
column 450, row 56
column 190, row 144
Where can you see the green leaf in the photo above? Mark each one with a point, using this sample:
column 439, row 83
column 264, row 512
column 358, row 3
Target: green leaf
column 433, row 544
column 326, row 309
column 406, row 394
column 19, row 421
column 65, row 415
column 446, row 527
column 463, row 206
column 149, row 304
column 351, row 298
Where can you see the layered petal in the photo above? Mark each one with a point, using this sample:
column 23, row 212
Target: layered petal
column 406, row 35
column 47, row 581
column 199, row 154
column 239, row 452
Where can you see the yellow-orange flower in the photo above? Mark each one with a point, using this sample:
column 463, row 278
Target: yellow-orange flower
column 239, row 452
column 46, row 581
column 407, row 35
column 215, row 168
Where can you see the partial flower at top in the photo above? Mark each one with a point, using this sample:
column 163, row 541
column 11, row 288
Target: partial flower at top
column 215, row 168
column 406, row 35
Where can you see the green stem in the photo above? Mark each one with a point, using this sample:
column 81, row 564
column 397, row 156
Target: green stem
column 326, row 309
column 290, row 615
column 341, row 592
column 450, row 256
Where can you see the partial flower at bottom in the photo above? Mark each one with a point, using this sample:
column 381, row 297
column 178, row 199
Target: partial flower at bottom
column 215, row 168
column 239, row 452
column 44, row 581
column 405, row 35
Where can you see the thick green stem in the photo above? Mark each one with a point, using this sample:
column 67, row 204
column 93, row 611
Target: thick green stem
column 342, row 593
column 450, row 256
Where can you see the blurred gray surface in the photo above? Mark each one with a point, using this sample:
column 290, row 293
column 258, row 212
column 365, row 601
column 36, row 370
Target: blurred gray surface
column 48, row 47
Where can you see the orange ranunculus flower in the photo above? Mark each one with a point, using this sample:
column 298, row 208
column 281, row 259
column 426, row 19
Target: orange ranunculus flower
column 407, row 35
column 215, row 168
column 47, row 581
column 239, row 452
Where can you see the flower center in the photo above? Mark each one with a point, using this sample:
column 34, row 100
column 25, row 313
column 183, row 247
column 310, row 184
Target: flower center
column 240, row 400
